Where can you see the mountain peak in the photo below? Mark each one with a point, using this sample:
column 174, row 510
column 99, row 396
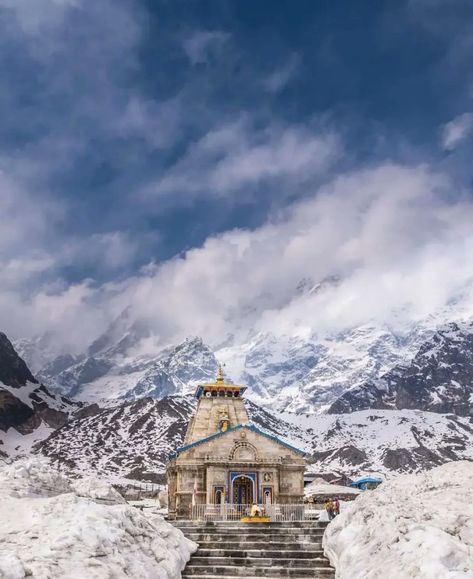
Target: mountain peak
column 13, row 370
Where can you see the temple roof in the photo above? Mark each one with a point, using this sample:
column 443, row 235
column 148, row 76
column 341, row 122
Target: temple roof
column 249, row 426
column 219, row 386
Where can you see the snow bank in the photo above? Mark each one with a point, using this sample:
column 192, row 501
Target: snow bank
column 48, row 531
column 415, row 526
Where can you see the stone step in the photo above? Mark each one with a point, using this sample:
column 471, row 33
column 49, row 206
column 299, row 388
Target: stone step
column 263, row 553
column 257, row 526
column 261, row 545
column 223, row 571
column 261, row 526
column 198, row 560
column 322, row 574
column 187, row 522
column 230, row 549
column 254, row 531
column 250, row 537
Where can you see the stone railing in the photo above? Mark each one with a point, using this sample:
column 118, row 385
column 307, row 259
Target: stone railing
column 231, row 512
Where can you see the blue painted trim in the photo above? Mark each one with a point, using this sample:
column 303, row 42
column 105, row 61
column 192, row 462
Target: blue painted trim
column 236, row 473
column 250, row 426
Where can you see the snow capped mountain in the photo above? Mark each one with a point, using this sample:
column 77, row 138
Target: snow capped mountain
column 134, row 434
column 131, row 441
column 28, row 410
column 399, row 398
column 438, row 379
column 135, row 439
column 308, row 373
column 114, row 374
column 296, row 366
column 386, row 441
column 300, row 373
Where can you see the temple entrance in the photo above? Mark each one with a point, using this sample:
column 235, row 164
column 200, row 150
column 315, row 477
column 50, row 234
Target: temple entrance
column 242, row 490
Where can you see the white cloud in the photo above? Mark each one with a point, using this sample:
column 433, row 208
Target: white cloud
column 281, row 77
column 400, row 242
column 36, row 15
column 236, row 157
column 456, row 131
column 201, row 44
column 156, row 122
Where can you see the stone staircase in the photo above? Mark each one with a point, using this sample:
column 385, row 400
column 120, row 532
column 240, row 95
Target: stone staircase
column 272, row 550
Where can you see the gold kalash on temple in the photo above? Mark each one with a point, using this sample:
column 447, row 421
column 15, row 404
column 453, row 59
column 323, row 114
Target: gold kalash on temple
column 227, row 460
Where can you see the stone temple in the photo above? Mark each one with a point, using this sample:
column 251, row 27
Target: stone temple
column 226, row 460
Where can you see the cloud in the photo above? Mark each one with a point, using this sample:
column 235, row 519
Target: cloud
column 236, row 157
column 35, row 15
column 157, row 123
column 456, row 131
column 96, row 138
column 390, row 234
column 397, row 238
column 281, row 77
column 25, row 224
column 201, row 45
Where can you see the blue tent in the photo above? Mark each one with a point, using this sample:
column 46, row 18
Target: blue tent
column 368, row 482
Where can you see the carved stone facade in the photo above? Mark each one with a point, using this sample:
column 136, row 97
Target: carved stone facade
column 225, row 459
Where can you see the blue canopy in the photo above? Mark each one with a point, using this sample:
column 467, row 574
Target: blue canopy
column 366, row 480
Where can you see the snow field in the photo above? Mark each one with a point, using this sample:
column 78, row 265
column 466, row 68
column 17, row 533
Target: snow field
column 412, row 527
column 48, row 531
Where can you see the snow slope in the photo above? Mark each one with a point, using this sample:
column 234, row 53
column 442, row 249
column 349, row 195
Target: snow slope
column 414, row 527
column 130, row 441
column 135, row 440
column 384, row 441
column 48, row 530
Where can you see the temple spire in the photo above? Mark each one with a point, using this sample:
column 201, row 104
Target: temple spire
column 220, row 376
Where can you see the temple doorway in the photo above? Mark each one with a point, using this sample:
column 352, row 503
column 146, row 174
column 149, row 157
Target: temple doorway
column 242, row 490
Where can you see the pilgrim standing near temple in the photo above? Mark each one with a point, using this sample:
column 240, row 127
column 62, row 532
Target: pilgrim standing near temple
column 336, row 506
column 330, row 508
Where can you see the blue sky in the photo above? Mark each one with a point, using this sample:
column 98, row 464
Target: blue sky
column 134, row 132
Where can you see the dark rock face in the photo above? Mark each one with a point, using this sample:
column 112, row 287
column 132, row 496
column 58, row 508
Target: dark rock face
column 13, row 370
column 439, row 379
column 24, row 403
column 16, row 414
column 362, row 398
column 87, row 411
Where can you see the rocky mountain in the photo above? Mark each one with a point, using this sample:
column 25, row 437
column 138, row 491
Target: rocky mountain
column 134, row 440
column 111, row 372
column 130, row 441
column 397, row 401
column 438, row 379
column 299, row 372
column 28, row 410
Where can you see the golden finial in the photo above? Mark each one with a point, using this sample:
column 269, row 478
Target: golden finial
column 220, row 377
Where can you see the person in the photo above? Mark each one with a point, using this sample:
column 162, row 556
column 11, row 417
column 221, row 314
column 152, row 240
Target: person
column 329, row 507
column 336, row 504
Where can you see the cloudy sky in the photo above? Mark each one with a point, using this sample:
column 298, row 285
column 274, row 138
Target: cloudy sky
column 193, row 161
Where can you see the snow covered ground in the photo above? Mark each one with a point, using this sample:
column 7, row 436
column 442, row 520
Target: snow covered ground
column 412, row 527
column 52, row 528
